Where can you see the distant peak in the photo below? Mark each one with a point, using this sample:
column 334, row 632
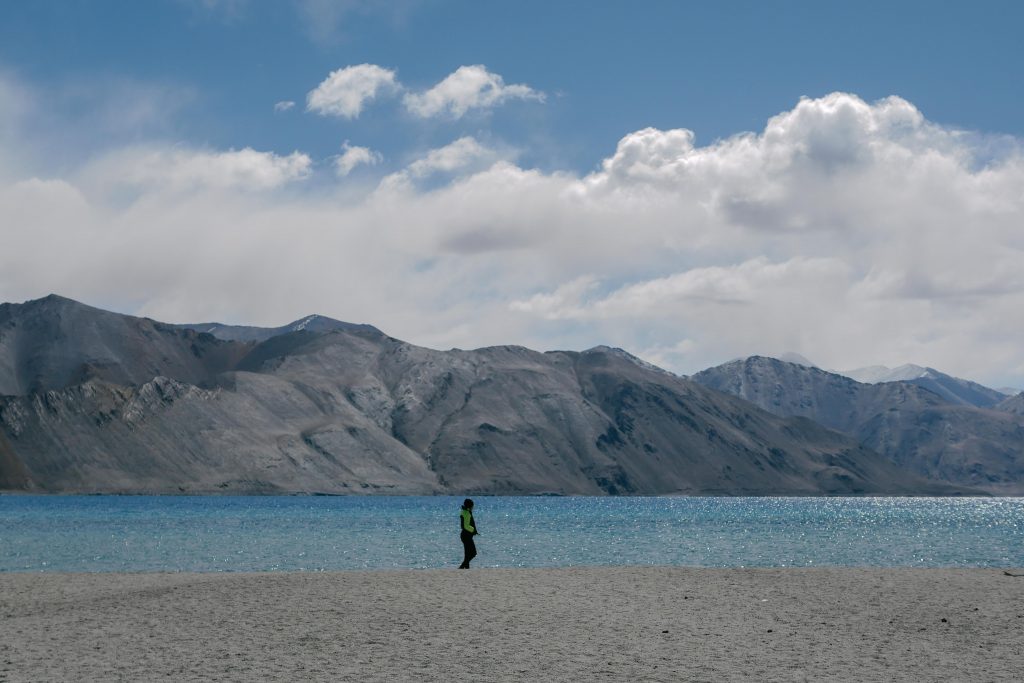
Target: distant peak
column 602, row 348
column 910, row 369
column 755, row 360
column 622, row 353
column 791, row 358
column 767, row 362
column 304, row 322
column 875, row 374
column 52, row 298
column 55, row 301
column 323, row 323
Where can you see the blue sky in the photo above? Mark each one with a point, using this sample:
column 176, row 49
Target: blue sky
column 717, row 68
column 690, row 181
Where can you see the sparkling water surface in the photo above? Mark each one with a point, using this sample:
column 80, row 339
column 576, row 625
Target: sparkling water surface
column 221, row 533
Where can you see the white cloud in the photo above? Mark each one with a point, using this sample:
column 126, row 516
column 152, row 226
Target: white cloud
column 462, row 155
column 564, row 302
column 468, row 87
column 753, row 283
column 746, row 284
column 452, row 157
column 351, row 157
column 283, row 105
column 344, row 92
column 175, row 169
column 854, row 233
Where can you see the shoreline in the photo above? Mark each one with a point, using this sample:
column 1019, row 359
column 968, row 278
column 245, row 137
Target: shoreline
column 576, row 623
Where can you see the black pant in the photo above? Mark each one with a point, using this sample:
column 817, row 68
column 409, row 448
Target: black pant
column 469, row 547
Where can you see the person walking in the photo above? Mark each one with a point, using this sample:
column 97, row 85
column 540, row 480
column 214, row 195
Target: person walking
column 467, row 530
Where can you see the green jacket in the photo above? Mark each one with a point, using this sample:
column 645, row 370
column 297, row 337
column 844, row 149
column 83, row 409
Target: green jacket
column 467, row 521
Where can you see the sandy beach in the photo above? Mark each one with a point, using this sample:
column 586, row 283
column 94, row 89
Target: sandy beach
column 635, row 623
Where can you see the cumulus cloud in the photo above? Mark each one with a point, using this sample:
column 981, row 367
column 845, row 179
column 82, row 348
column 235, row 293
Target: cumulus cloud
column 468, row 87
column 351, row 157
column 344, row 92
column 462, row 155
column 452, row 157
column 852, row 232
column 283, row 105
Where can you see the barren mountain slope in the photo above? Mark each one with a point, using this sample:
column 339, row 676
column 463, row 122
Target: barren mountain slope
column 910, row 425
column 353, row 410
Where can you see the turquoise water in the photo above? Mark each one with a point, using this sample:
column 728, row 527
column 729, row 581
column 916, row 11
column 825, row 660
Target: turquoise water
column 218, row 533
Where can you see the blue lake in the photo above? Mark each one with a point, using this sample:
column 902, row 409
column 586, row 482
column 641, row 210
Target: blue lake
column 220, row 533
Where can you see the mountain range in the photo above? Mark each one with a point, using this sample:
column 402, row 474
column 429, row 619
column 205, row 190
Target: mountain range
column 94, row 401
column 99, row 402
column 952, row 389
column 927, row 430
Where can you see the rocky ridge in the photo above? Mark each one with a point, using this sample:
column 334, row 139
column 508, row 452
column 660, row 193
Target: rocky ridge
column 914, row 427
column 99, row 402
